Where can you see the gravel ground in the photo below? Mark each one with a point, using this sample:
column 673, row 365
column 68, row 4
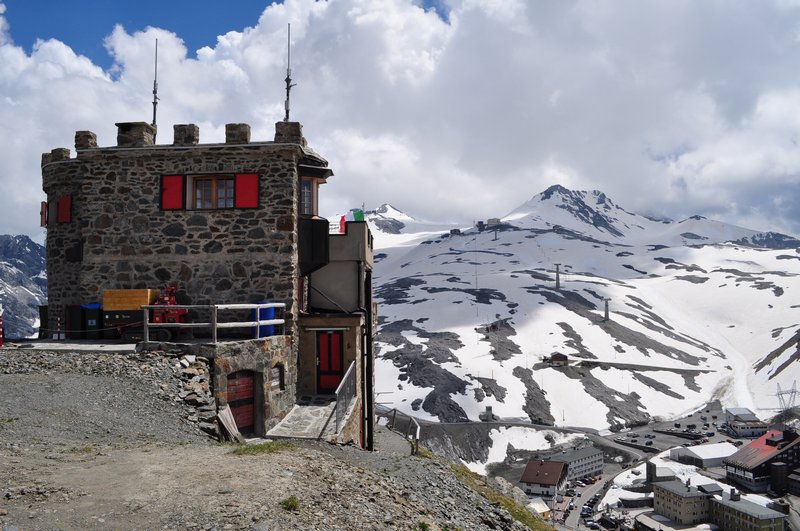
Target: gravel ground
column 88, row 441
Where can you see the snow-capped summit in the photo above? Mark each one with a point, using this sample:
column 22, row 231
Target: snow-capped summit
column 594, row 214
column 587, row 212
column 387, row 218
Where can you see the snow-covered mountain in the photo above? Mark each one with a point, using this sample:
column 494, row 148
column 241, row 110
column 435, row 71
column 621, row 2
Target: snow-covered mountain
column 699, row 310
column 23, row 284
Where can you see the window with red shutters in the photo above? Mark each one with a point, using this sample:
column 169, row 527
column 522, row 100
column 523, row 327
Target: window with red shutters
column 246, row 190
column 64, row 209
column 209, row 192
column 172, row 192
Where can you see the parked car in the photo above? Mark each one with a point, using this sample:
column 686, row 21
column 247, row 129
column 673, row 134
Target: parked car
column 709, row 433
column 649, row 443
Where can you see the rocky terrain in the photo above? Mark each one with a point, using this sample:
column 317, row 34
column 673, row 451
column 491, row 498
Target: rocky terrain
column 92, row 440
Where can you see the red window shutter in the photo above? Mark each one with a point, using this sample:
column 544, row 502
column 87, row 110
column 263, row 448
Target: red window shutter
column 43, row 214
column 172, row 194
column 64, row 209
column 246, row 190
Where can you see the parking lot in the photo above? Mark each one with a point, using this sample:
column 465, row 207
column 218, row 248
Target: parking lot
column 659, row 436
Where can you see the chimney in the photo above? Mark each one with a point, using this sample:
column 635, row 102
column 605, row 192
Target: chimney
column 237, row 133
column 735, row 495
column 135, row 134
column 185, row 135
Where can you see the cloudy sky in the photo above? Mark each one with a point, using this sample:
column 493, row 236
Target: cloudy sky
column 451, row 110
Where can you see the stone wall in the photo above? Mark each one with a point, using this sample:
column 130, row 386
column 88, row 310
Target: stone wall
column 119, row 238
column 351, row 431
column 260, row 356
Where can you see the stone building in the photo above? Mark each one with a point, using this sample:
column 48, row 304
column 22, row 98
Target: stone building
column 227, row 223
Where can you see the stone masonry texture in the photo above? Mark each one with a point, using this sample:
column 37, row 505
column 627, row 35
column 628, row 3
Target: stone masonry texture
column 119, row 238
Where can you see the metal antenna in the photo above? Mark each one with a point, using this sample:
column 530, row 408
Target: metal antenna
column 155, row 93
column 288, row 79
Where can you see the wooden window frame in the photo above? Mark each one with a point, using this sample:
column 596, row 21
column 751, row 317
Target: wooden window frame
column 314, row 190
column 214, row 179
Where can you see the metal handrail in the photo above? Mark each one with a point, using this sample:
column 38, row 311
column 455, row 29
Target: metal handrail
column 214, row 324
column 345, row 394
column 408, row 433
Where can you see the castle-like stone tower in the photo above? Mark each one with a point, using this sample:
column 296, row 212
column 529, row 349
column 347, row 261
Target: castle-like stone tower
column 218, row 220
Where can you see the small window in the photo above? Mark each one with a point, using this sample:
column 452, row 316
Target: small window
column 213, row 192
column 307, row 197
column 276, row 377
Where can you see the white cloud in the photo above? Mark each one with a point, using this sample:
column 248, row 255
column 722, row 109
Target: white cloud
column 675, row 108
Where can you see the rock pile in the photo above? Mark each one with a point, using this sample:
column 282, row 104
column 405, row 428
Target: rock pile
column 183, row 379
column 191, row 384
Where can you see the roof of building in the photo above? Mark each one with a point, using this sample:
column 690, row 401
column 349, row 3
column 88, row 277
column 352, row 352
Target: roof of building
column 742, row 413
column 712, row 451
column 574, row 455
column 539, row 505
column 710, row 488
column 653, row 520
column 543, row 472
column 748, row 507
column 680, row 488
column 759, row 451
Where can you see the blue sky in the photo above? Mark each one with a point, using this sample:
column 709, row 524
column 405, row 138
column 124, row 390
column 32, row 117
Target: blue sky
column 84, row 24
column 670, row 107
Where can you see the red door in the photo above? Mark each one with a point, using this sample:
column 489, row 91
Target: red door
column 241, row 398
column 330, row 365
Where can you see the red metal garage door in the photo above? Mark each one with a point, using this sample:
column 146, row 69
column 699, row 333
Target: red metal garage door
column 241, row 398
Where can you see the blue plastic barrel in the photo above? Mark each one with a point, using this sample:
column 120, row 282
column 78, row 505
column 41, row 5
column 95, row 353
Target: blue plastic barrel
column 265, row 314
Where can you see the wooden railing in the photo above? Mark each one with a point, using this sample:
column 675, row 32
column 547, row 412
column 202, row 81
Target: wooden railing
column 214, row 323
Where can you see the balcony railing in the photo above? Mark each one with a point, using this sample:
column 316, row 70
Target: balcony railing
column 214, row 323
column 345, row 394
